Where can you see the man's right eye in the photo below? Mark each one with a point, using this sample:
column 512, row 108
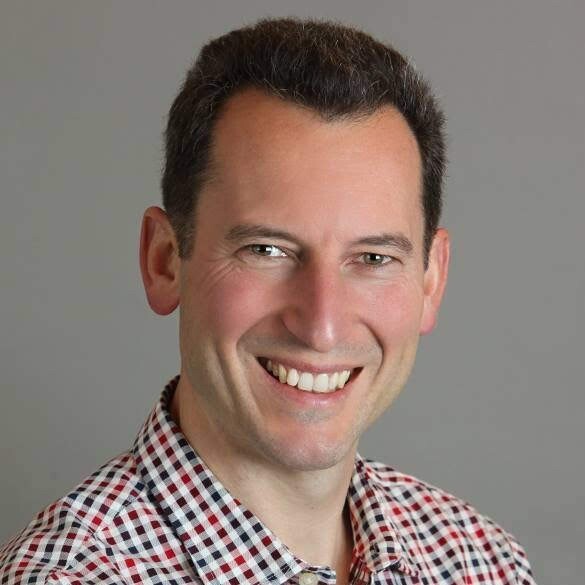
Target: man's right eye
column 267, row 250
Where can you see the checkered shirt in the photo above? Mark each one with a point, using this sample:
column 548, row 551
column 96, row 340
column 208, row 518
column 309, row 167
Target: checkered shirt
column 157, row 515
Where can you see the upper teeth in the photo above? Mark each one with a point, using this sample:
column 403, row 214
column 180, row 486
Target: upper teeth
column 307, row 381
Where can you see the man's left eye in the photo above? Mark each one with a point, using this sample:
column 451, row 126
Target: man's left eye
column 373, row 259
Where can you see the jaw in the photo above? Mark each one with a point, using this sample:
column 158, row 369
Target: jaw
column 255, row 420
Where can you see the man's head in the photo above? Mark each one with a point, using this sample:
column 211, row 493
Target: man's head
column 308, row 258
column 338, row 72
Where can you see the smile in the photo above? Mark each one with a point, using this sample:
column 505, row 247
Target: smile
column 318, row 382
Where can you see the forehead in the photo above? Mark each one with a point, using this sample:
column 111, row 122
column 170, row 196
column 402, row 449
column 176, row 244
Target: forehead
column 283, row 161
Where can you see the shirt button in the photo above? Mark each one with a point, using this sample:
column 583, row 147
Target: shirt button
column 308, row 579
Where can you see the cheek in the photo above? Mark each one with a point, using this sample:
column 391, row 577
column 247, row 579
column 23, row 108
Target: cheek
column 394, row 312
column 236, row 303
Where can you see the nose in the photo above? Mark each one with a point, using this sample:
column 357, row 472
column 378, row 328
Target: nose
column 318, row 307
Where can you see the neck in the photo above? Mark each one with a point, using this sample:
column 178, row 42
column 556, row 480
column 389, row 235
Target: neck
column 305, row 509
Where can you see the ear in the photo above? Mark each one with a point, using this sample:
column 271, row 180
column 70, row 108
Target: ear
column 159, row 261
column 435, row 280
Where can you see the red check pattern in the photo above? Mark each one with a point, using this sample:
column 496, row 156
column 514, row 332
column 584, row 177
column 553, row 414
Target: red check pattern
column 157, row 515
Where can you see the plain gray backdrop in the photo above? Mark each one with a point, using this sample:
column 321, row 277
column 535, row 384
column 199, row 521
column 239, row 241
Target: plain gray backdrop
column 494, row 410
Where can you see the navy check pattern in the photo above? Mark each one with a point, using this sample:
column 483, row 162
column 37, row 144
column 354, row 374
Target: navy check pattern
column 157, row 515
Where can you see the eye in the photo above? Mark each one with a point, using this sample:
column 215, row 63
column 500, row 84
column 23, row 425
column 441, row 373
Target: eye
column 267, row 250
column 373, row 259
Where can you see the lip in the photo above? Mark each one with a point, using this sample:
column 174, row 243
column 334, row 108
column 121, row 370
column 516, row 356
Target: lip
column 301, row 366
column 308, row 400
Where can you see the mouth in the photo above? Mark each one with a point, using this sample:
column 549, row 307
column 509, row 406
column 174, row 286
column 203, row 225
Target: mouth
column 322, row 382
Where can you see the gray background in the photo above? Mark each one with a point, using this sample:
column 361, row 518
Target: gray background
column 494, row 409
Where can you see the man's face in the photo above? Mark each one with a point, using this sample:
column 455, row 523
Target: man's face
column 308, row 253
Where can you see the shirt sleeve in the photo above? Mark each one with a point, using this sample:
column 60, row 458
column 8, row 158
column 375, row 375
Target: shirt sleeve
column 523, row 570
column 55, row 548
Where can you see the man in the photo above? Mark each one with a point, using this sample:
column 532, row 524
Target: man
column 302, row 190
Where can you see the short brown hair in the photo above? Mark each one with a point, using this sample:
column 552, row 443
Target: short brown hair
column 333, row 69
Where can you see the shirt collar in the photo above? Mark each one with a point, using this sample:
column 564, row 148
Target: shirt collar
column 227, row 543
column 377, row 541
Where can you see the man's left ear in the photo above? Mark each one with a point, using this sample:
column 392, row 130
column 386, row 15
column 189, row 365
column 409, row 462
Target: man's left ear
column 435, row 280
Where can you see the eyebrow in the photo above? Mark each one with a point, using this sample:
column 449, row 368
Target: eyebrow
column 387, row 240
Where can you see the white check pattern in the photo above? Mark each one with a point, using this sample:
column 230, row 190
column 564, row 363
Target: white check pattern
column 156, row 515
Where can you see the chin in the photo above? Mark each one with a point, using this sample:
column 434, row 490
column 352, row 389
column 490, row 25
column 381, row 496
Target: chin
column 308, row 454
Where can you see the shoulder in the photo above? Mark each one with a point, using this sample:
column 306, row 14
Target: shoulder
column 413, row 499
column 432, row 522
column 67, row 540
